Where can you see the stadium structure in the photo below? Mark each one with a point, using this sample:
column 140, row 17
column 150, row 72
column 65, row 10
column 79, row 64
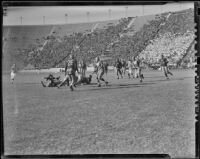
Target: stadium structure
column 46, row 46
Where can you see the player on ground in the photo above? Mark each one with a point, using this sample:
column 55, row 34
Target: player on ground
column 70, row 71
column 118, row 66
column 77, row 80
column 164, row 63
column 13, row 73
column 82, row 80
column 51, row 81
column 99, row 70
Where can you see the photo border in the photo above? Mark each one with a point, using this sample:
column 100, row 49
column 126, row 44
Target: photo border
column 86, row 3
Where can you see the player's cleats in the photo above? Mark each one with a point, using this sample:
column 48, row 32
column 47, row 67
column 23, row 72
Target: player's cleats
column 106, row 83
column 140, row 80
column 71, row 88
column 99, row 85
column 43, row 84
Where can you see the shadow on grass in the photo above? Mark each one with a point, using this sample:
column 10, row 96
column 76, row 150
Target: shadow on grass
column 153, row 76
column 115, row 86
column 168, row 80
column 122, row 85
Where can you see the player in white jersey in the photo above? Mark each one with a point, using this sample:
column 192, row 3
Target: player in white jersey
column 135, row 68
column 13, row 73
column 130, row 68
column 99, row 70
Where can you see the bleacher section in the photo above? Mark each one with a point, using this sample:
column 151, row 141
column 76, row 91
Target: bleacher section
column 125, row 38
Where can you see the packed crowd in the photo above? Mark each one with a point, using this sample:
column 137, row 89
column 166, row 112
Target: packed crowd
column 170, row 45
column 151, row 39
column 84, row 46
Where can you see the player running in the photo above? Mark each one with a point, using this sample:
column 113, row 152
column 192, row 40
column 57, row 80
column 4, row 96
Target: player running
column 118, row 66
column 99, row 70
column 13, row 73
column 164, row 63
column 70, row 71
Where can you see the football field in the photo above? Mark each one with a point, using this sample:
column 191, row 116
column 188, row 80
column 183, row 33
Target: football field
column 156, row 116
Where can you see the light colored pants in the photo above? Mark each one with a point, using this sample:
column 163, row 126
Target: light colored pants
column 136, row 72
column 166, row 71
column 100, row 76
column 70, row 77
column 12, row 75
column 124, row 70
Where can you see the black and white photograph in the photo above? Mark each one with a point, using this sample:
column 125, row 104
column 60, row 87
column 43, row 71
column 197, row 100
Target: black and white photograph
column 99, row 79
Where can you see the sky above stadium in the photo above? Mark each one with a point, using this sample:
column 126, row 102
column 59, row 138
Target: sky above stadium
column 78, row 14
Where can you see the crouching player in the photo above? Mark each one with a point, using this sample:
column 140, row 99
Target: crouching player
column 51, row 81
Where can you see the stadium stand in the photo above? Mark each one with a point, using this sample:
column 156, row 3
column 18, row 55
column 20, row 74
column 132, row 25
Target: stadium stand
column 125, row 38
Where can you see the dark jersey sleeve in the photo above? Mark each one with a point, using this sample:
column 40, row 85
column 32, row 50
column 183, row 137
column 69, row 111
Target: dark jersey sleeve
column 165, row 61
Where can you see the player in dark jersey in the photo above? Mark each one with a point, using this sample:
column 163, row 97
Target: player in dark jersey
column 123, row 66
column 99, row 70
column 118, row 66
column 139, row 69
column 70, row 71
column 164, row 63
column 105, row 67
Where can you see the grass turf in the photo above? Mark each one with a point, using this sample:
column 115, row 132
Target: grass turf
column 156, row 116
